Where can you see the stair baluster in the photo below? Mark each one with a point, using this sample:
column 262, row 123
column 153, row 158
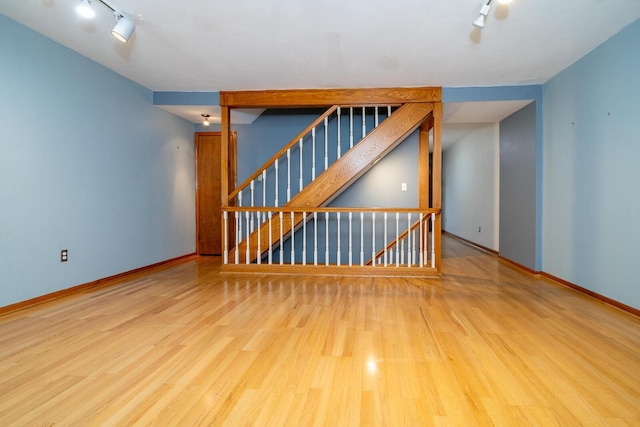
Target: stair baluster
column 293, row 240
column 326, row 238
column 373, row 239
column 385, row 239
column 248, row 255
column 264, row 193
column 304, row 238
column 288, row 175
column 225, row 229
column 258, row 250
column 339, row 149
column 239, row 231
column 251, row 193
column 421, row 248
column 350, row 127
column 313, row 154
column 409, row 259
column 338, row 235
column 277, row 186
column 361, row 238
column 237, row 237
column 270, row 256
column 326, row 143
column 315, row 238
column 301, row 184
column 433, row 242
column 281, row 239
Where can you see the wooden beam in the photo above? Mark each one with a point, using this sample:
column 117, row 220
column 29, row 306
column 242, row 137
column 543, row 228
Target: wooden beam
column 225, row 126
column 423, row 163
column 437, row 180
column 225, row 143
column 437, row 156
column 301, row 98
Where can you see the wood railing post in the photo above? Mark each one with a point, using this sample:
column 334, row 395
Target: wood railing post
column 437, row 180
column 225, row 136
column 423, row 163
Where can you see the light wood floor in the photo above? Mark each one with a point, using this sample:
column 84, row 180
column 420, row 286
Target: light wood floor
column 186, row 345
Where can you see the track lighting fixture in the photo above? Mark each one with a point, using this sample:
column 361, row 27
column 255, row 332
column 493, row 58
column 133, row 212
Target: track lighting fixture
column 124, row 25
column 484, row 11
column 85, row 10
column 205, row 122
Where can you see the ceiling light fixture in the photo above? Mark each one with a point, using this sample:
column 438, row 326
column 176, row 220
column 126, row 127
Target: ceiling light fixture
column 205, row 122
column 85, row 10
column 124, row 27
column 484, row 11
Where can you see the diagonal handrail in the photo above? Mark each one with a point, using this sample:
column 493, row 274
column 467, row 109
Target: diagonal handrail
column 282, row 151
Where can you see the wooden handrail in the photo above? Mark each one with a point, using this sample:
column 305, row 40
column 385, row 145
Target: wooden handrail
column 289, row 209
column 404, row 235
column 282, row 151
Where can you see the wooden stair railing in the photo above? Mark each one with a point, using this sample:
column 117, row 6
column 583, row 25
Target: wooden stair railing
column 366, row 233
column 344, row 171
column 381, row 253
column 281, row 152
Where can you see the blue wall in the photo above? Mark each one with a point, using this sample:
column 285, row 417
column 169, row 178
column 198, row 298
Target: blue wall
column 86, row 164
column 518, row 160
column 471, row 190
column 591, row 152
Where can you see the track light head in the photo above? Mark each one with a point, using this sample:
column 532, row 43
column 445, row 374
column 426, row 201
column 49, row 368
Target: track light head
column 85, row 10
column 124, row 27
column 205, row 122
column 479, row 22
column 484, row 11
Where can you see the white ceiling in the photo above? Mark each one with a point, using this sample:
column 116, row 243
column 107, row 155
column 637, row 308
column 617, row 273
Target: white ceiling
column 214, row 45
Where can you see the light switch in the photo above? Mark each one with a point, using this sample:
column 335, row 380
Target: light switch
column 403, row 186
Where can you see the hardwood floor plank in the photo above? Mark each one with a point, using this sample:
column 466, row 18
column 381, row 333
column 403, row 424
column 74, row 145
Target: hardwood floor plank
column 187, row 345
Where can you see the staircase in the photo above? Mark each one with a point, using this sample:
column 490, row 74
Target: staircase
column 259, row 230
column 340, row 174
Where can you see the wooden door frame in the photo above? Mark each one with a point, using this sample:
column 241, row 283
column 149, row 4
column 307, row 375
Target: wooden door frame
column 231, row 169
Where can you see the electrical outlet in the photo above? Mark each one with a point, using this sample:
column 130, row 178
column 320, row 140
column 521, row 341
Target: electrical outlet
column 64, row 255
column 479, row 229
